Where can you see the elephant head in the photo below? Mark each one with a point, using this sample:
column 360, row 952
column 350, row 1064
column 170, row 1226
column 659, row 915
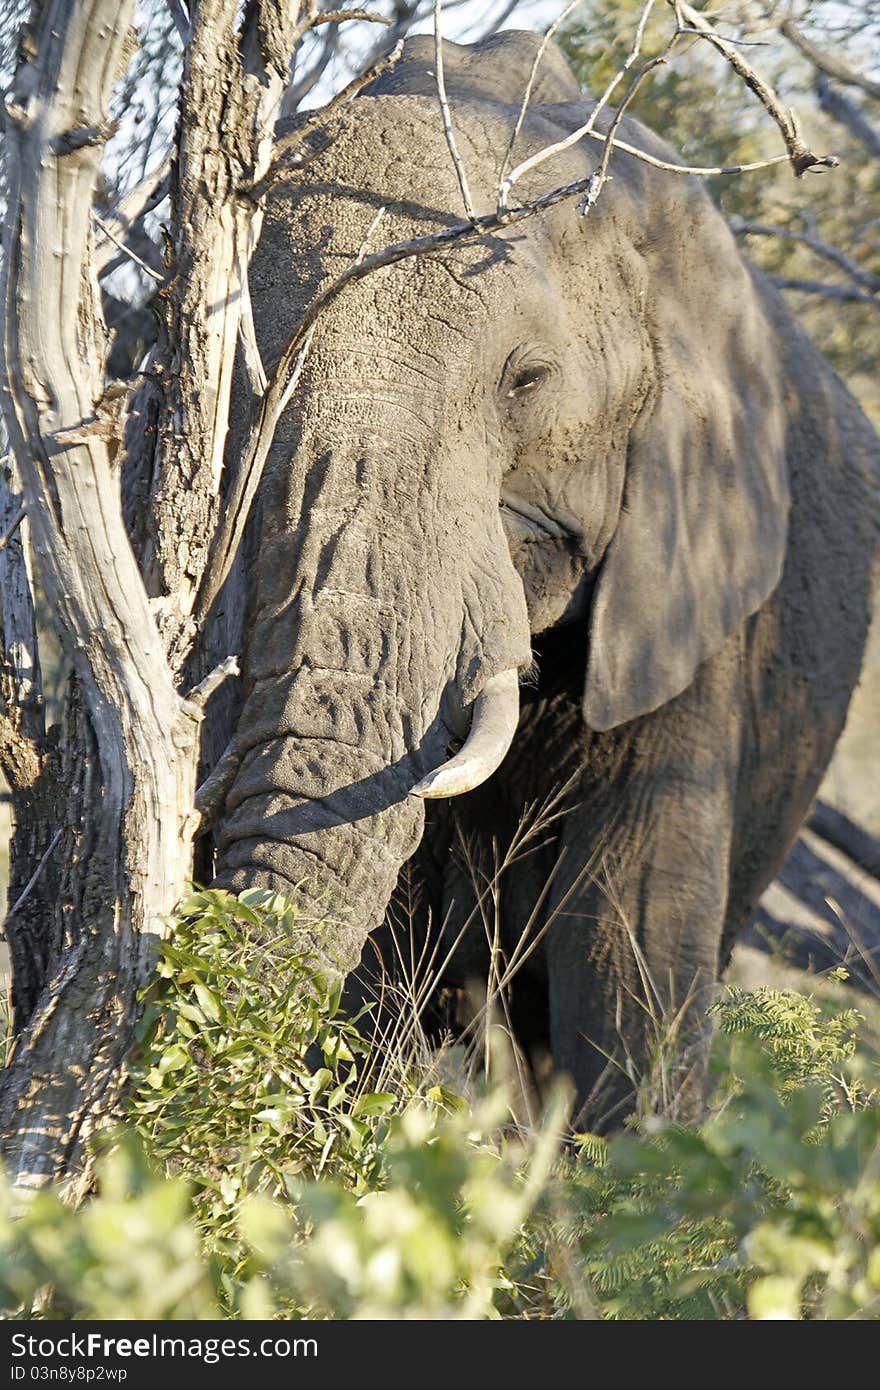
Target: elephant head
column 576, row 420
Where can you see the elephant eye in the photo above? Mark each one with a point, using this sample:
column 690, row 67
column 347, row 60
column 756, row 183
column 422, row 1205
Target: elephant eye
column 527, row 380
column 524, row 372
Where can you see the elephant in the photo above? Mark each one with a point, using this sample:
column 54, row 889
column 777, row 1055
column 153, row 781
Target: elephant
column 578, row 494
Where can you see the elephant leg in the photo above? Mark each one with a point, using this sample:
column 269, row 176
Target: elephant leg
column 639, row 904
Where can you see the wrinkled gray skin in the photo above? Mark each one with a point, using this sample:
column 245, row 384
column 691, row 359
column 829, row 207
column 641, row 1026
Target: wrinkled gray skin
column 600, row 440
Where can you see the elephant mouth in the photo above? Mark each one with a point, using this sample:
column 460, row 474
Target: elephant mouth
column 526, row 521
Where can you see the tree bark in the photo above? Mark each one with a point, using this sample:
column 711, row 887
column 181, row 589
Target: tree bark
column 232, row 88
column 32, row 923
column 113, row 841
column 137, row 738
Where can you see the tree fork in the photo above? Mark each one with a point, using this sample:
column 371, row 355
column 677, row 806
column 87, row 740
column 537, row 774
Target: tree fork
column 135, row 738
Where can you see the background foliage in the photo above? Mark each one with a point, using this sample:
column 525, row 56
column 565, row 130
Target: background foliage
column 700, row 104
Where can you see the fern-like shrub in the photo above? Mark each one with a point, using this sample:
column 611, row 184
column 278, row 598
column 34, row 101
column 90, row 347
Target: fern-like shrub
column 768, row 1209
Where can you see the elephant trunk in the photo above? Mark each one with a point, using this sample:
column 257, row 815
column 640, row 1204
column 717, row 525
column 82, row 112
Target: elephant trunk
column 364, row 630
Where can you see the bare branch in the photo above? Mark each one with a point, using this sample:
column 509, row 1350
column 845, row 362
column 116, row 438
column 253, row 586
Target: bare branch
column 589, row 126
column 832, row 67
column 12, row 526
column 200, row 694
column 600, row 176
column 286, row 376
column 181, row 19
column 448, row 130
column 460, row 232
column 728, row 38
column 273, row 401
column 346, row 17
column 131, row 210
column 368, row 236
column 740, row 227
column 846, row 113
column 212, row 793
column 800, row 156
column 31, row 883
column 229, row 533
column 527, row 95
column 698, row 170
column 817, row 287
column 128, row 252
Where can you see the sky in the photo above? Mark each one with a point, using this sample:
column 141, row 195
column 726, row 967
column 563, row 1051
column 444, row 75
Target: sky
column 463, row 24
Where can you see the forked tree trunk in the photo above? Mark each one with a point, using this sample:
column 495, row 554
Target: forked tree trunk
column 106, row 818
column 137, row 737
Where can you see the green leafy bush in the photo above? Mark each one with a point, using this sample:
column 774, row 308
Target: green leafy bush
column 242, row 1046
column 429, row 1244
column 261, row 1177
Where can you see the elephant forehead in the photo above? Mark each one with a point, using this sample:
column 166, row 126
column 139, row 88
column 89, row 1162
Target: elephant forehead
column 389, row 155
column 395, row 148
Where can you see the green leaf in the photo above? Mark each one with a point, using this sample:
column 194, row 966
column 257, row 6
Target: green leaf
column 208, row 1001
column 318, row 1082
column 174, row 1059
column 374, row 1103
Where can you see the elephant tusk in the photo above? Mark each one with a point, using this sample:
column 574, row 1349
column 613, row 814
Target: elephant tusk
column 495, row 717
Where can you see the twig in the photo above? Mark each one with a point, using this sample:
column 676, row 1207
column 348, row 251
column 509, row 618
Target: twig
column 292, row 141
column 832, row 67
column 740, row 227
column 227, row 537
column 800, row 156
column 842, row 110
column 728, row 38
column 273, row 400
column 131, row 208
column 279, row 390
column 211, row 794
column 589, row 126
column 201, row 693
column 842, row 292
column 700, row 171
column 127, row 251
column 448, row 130
column 600, row 176
column 527, row 95
column 348, row 16
column 181, row 19
column 28, row 888
column 291, row 361
column 368, row 236
column 13, row 526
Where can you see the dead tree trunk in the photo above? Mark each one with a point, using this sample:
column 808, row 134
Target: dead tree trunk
column 119, row 810
column 137, row 736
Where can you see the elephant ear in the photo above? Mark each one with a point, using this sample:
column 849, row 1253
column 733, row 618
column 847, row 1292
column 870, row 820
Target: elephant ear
column 701, row 537
column 496, row 69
